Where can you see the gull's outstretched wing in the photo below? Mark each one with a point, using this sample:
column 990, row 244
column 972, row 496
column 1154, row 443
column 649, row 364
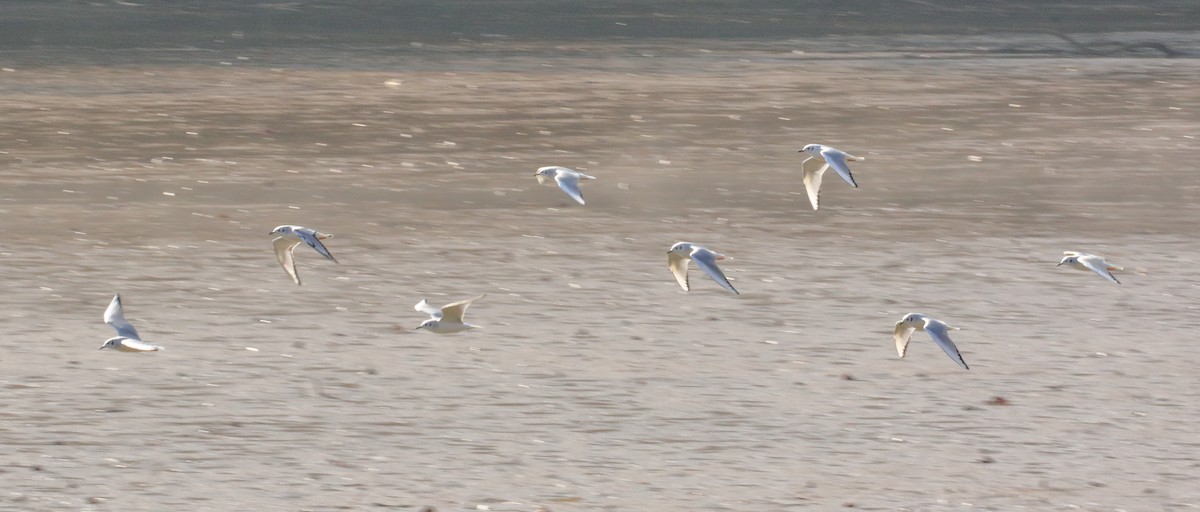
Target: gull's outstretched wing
column 813, row 169
column 903, row 333
column 569, row 183
column 427, row 308
column 937, row 331
column 707, row 261
column 314, row 240
column 115, row 316
column 837, row 160
column 679, row 267
column 1097, row 265
column 283, row 253
column 542, row 179
column 454, row 312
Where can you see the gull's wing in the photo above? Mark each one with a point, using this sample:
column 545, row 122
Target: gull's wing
column 837, row 160
column 1097, row 265
column 569, row 183
column 454, row 312
column 115, row 316
column 707, row 261
column 140, row 346
column 813, row 169
column 542, row 179
column 313, row 241
column 427, row 308
column 679, row 267
column 937, row 331
column 902, row 334
column 283, row 253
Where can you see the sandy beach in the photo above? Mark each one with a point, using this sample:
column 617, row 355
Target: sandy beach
column 156, row 169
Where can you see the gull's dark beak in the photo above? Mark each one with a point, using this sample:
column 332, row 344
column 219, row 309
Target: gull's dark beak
column 102, row 347
column 1059, row 264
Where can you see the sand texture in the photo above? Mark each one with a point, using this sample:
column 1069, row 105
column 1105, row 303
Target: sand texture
column 156, row 172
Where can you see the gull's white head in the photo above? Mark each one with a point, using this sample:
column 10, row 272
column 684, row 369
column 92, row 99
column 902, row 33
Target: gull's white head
column 1069, row 260
column 680, row 248
column 432, row 323
column 112, row 343
column 812, row 149
column 281, row 230
column 546, row 174
column 912, row 318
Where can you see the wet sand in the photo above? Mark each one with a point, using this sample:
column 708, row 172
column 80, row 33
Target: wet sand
column 597, row 384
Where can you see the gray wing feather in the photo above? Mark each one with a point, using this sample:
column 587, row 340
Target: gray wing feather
column 569, row 183
column 837, row 160
column 1097, row 265
column 707, row 261
column 115, row 316
column 937, row 331
column 313, row 241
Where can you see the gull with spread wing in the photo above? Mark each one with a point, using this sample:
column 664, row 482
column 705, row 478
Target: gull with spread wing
column 127, row 339
column 291, row 236
column 1089, row 263
column 936, row 329
column 820, row 159
column 682, row 252
column 446, row 319
column 567, row 180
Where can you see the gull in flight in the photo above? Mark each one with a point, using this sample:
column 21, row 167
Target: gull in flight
column 448, row 318
column 822, row 158
column 1085, row 262
column 936, row 329
column 682, row 252
column 291, row 236
column 127, row 339
column 567, row 179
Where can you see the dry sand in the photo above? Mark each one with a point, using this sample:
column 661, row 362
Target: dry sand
column 597, row 383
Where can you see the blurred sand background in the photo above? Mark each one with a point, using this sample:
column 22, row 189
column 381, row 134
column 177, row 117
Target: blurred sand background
column 147, row 148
